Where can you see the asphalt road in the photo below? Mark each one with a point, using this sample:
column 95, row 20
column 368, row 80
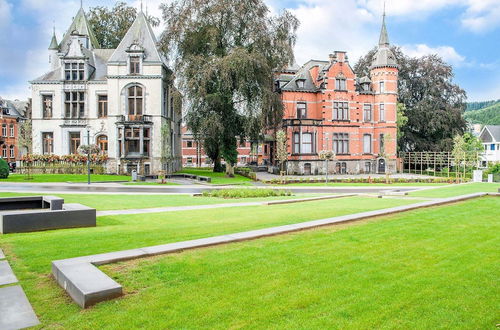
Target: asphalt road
column 193, row 189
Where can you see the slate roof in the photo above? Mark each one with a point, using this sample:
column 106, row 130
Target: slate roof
column 303, row 74
column 141, row 34
column 10, row 108
column 494, row 131
column 81, row 25
column 384, row 57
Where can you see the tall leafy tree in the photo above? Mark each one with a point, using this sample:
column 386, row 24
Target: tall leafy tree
column 433, row 104
column 225, row 53
column 111, row 24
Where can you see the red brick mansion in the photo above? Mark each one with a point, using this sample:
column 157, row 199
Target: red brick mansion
column 328, row 108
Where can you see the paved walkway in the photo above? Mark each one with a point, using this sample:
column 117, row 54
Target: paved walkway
column 15, row 309
column 268, row 176
column 215, row 206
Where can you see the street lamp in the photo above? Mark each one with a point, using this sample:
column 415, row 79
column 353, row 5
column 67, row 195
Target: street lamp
column 88, row 154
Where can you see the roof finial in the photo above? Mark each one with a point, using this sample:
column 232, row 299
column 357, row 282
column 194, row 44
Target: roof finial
column 146, row 8
column 81, row 4
column 384, row 37
column 141, row 6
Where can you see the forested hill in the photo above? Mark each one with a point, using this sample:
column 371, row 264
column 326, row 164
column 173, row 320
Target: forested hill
column 485, row 113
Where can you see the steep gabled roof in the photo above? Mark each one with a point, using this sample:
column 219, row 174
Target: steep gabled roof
column 494, row 132
column 140, row 34
column 81, row 26
column 304, row 75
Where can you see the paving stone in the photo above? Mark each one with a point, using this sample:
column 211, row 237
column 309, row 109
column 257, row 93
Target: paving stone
column 6, row 274
column 15, row 309
column 2, row 256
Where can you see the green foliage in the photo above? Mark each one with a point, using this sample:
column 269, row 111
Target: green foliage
column 246, row 193
column 433, row 103
column 4, row 169
column 225, row 54
column 494, row 169
column 111, row 25
column 486, row 116
column 472, row 106
column 281, row 147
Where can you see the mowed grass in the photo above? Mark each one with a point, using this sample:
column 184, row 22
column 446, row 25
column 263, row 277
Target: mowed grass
column 31, row 254
column 64, row 178
column 456, row 190
column 359, row 184
column 105, row 202
column 428, row 268
column 217, row 178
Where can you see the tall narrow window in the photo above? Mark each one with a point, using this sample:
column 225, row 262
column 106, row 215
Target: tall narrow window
column 367, row 112
column 382, row 112
column 367, row 144
column 102, row 106
column 135, row 65
column 382, row 87
column 11, row 130
column 340, row 84
column 102, row 142
column 4, row 151
column 296, row 143
column 382, row 143
column 135, row 98
column 4, row 130
column 307, row 143
column 74, row 142
column 47, row 143
column 341, row 143
column 301, row 110
column 340, row 110
column 74, row 103
column 12, row 152
column 47, row 106
column 74, row 71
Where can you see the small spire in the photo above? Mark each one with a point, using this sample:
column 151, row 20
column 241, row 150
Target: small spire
column 146, row 8
column 53, row 42
column 384, row 37
column 81, row 3
column 141, row 6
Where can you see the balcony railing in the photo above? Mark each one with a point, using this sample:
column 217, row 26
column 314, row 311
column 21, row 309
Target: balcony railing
column 136, row 118
column 302, row 122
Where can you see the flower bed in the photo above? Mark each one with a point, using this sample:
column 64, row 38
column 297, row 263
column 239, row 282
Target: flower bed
column 360, row 180
column 66, row 164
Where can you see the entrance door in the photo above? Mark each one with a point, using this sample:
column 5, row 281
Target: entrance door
column 381, row 165
column 307, row 169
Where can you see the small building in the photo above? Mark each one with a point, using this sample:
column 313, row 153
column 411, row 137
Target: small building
column 327, row 107
column 11, row 113
column 490, row 136
column 123, row 97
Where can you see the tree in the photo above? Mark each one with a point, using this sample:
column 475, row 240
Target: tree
column 466, row 151
column 433, row 104
column 225, row 54
column 4, row 169
column 281, row 148
column 111, row 25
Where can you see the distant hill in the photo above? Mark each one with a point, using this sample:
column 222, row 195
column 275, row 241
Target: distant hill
column 489, row 115
column 471, row 106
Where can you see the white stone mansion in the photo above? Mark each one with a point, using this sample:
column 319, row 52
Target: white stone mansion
column 123, row 95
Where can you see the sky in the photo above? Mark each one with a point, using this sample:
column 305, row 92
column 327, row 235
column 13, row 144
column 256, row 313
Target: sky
column 465, row 33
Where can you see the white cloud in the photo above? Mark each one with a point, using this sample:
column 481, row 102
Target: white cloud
column 4, row 13
column 482, row 15
column 447, row 53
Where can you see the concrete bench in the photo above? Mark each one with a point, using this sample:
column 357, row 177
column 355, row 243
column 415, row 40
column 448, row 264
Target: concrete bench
column 205, row 178
column 70, row 216
column 31, row 202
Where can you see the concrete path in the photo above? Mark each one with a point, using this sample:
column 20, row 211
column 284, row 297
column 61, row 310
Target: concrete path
column 15, row 309
column 2, row 256
column 6, row 274
column 87, row 285
column 216, row 206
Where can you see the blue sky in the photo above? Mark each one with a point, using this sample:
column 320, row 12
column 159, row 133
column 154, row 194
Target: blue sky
column 466, row 33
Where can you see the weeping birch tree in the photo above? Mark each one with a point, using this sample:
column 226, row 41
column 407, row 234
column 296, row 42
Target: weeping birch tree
column 225, row 53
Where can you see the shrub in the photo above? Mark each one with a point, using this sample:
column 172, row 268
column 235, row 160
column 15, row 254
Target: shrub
column 245, row 193
column 4, row 169
column 494, row 169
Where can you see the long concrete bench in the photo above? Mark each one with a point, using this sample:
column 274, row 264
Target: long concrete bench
column 87, row 285
column 70, row 216
column 31, row 202
column 204, row 178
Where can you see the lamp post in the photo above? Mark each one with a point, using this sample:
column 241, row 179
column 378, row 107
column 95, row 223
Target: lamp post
column 88, row 154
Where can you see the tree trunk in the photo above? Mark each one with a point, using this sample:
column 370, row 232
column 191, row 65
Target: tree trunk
column 218, row 166
column 229, row 170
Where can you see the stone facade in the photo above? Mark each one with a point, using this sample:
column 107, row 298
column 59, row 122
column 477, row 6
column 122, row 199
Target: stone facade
column 123, row 96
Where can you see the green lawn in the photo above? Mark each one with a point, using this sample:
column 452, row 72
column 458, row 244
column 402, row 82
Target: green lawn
column 456, row 190
column 150, row 183
column 64, row 178
column 429, row 268
column 217, row 178
column 347, row 184
column 103, row 202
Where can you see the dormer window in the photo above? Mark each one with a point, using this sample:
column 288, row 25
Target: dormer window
column 135, row 65
column 301, row 83
column 340, row 84
column 74, row 71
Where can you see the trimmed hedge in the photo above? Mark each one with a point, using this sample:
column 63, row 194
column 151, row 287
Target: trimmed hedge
column 4, row 169
column 360, row 180
column 246, row 193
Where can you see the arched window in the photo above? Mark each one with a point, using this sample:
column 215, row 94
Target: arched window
column 4, row 151
column 102, row 142
column 135, row 100
column 12, row 152
column 11, row 130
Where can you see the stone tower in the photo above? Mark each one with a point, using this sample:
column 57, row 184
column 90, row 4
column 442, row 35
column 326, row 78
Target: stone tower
column 53, row 50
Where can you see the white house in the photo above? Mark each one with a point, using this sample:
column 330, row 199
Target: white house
column 490, row 136
column 124, row 96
